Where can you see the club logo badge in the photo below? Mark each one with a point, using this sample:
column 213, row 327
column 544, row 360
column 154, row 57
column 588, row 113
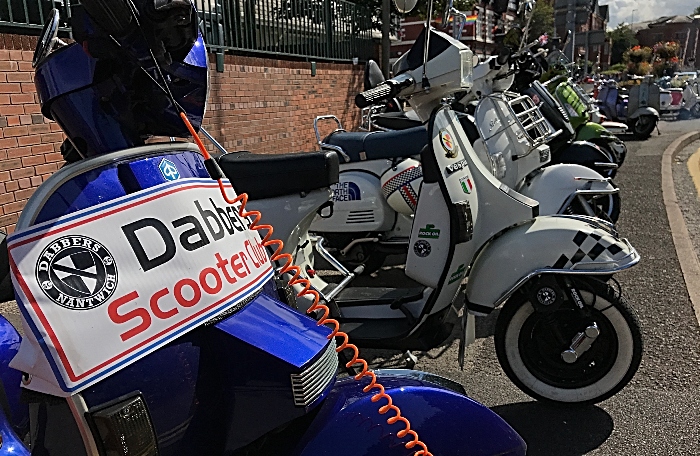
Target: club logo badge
column 77, row 272
column 448, row 144
column 169, row 170
column 422, row 248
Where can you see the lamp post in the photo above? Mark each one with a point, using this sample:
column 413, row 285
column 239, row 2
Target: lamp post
column 632, row 21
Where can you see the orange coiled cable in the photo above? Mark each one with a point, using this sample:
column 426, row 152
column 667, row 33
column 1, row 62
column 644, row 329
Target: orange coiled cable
column 324, row 320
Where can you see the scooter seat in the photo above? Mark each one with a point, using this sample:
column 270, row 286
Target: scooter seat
column 375, row 145
column 395, row 121
column 267, row 176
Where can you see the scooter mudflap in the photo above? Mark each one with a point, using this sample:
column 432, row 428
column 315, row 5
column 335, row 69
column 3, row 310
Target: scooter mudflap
column 467, row 336
column 463, row 339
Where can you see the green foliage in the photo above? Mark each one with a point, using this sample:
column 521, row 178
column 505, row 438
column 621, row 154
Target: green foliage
column 542, row 21
column 696, row 11
column 617, row 68
column 421, row 9
column 622, row 38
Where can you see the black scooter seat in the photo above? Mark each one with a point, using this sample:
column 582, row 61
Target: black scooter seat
column 375, row 145
column 268, row 176
column 395, row 121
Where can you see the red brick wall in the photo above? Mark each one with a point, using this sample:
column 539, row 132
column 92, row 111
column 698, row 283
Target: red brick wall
column 260, row 105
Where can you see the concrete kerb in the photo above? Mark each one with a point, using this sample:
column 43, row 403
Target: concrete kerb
column 690, row 266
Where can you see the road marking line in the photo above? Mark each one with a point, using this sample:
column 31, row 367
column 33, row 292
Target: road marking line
column 694, row 169
column 685, row 250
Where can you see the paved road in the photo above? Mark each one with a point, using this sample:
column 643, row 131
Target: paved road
column 659, row 412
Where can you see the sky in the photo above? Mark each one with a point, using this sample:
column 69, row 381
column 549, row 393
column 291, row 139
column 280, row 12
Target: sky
column 646, row 10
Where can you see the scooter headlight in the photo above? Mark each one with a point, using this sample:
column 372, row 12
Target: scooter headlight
column 467, row 64
column 124, row 428
column 498, row 165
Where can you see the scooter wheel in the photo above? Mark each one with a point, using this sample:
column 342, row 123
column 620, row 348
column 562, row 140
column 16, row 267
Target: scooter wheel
column 530, row 346
column 643, row 126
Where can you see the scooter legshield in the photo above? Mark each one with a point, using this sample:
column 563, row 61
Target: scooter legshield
column 449, row 422
column 548, row 244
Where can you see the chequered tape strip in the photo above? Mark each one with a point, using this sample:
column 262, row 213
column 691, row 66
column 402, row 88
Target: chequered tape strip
column 594, row 246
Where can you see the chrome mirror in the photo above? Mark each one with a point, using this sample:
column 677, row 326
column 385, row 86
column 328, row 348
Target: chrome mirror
column 405, row 6
column 447, row 13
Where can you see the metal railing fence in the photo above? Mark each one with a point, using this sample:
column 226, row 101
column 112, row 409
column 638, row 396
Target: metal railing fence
column 323, row 29
column 319, row 29
column 30, row 14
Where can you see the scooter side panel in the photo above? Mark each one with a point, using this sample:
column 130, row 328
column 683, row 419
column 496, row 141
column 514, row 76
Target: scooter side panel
column 547, row 244
column 291, row 215
column 358, row 205
column 450, row 423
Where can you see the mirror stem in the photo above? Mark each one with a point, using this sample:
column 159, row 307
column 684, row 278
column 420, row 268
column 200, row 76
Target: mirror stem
column 426, row 82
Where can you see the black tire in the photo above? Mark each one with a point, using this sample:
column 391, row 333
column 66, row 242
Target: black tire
column 533, row 363
column 643, row 126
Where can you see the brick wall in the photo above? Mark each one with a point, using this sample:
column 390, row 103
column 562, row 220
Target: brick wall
column 260, row 105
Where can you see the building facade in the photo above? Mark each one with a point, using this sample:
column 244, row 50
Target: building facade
column 684, row 30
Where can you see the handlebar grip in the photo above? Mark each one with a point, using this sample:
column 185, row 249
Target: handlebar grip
column 372, row 96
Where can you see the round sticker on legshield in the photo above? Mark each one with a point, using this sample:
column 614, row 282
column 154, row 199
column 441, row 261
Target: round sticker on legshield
column 448, row 144
column 422, row 248
column 77, row 272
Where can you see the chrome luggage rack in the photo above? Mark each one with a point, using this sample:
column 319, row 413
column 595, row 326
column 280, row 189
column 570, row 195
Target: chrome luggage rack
column 529, row 118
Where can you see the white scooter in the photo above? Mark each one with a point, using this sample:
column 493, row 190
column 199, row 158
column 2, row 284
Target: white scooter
column 691, row 101
column 513, row 139
column 380, row 179
column 563, row 335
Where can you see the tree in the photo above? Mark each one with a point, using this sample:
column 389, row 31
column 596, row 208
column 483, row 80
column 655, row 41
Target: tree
column 542, row 21
column 622, row 38
column 696, row 11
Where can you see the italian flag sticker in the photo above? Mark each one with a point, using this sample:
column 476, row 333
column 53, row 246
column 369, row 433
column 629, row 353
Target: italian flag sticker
column 467, row 185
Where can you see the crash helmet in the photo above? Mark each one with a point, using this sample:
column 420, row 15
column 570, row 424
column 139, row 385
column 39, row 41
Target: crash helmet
column 401, row 185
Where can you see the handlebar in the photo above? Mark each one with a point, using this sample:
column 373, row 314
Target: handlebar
column 372, row 96
column 384, row 91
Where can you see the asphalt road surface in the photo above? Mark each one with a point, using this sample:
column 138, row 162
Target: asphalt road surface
column 658, row 413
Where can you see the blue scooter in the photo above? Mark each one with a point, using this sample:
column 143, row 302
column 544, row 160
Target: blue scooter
column 153, row 320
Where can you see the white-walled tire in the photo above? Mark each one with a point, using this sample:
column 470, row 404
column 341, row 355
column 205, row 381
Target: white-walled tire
column 534, row 363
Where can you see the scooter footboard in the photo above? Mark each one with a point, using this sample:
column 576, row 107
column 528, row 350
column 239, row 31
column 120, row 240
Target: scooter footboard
column 447, row 420
column 548, row 244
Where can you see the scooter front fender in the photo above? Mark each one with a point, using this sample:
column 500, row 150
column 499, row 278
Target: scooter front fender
column 556, row 186
column 646, row 111
column 559, row 244
column 590, row 131
column 450, row 423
